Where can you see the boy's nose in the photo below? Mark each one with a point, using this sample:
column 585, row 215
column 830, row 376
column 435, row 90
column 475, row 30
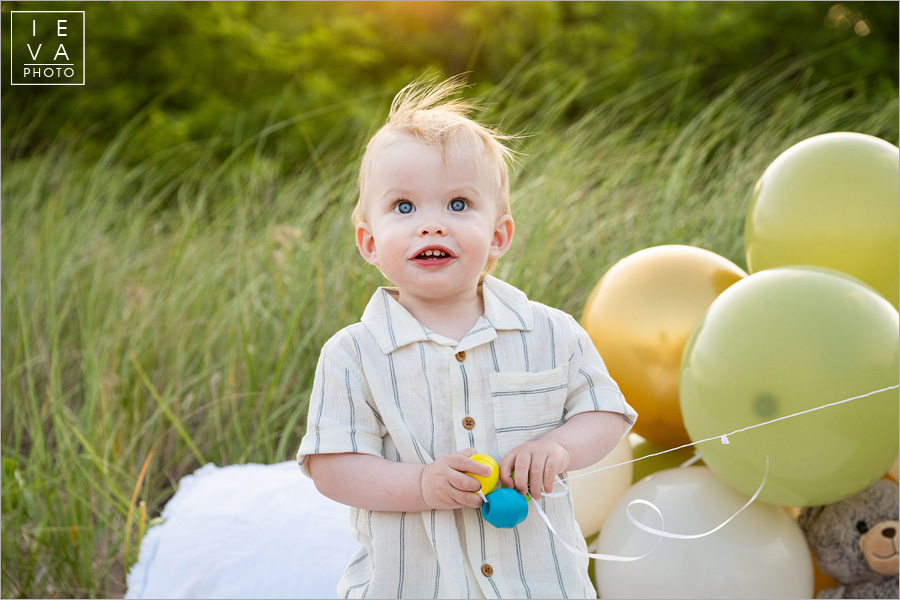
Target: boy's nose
column 431, row 225
column 431, row 229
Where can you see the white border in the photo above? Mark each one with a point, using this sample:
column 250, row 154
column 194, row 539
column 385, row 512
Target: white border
column 83, row 45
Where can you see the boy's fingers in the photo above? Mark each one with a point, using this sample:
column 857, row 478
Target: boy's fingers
column 465, row 483
column 465, row 498
column 536, row 476
column 523, row 462
column 554, row 467
column 467, row 465
column 506, row 468
column 549, row 479
column 479, row 468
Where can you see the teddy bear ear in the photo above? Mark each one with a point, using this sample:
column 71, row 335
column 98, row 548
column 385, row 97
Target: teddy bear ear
column 808, row 516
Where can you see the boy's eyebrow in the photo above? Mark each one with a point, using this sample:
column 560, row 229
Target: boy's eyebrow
column 396, row 193
column 463, row 190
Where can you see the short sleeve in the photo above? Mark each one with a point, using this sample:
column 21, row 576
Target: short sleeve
column 590, row 386
column 341, row 417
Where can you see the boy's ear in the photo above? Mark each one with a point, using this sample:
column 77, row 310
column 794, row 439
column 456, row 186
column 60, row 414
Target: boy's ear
column 365, row 241
column 503, row 235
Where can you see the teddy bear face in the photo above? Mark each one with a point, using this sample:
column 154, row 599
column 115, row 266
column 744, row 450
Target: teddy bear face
column 856, row 539
column 879, row 547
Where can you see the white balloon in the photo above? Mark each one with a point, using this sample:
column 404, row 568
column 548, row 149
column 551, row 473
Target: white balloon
column 594, row 495
column 762, row 553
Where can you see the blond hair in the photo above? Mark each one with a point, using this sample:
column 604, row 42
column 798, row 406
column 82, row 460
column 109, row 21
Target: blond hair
column 429, row 111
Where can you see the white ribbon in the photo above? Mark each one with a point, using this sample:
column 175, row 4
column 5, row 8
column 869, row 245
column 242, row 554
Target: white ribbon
column 607, row 557
column 693, row 536
column 660, row 533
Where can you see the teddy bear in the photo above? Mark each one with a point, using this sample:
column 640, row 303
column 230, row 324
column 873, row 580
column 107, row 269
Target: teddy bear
column 855, row 541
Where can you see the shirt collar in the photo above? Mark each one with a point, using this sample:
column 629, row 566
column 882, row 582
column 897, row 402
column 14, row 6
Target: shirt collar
column 392, row 326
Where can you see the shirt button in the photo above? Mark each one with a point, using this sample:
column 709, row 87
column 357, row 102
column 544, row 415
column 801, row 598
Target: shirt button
column 461, row 355
column 469, row 423
column 487, row 570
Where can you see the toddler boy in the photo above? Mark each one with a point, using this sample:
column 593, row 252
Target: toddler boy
column 448, row 362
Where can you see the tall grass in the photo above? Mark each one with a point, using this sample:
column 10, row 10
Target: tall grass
column 161, row 316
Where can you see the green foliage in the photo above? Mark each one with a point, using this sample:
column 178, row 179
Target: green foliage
column 186, row 72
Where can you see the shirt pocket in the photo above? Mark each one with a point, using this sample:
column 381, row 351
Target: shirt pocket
column 527, row 405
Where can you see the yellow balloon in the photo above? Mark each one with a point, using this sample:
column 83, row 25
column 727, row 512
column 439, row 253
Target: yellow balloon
column 490, row 482
column 830, row 201
column 595, row 492
column 640, row 316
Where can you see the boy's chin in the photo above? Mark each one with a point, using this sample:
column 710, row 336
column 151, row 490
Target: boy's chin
column 438, row 287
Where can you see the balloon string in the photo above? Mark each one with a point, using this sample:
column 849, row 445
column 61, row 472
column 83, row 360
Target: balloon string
column 660, row 533
column 693, row 536
column 724, row 437
column 576, row 551
column 694, row 458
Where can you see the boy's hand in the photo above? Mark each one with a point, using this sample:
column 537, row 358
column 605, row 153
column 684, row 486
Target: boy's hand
column 536, row 464
column 446, row 483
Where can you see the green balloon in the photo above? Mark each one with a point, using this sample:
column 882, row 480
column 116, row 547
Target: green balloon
column 669, row 460
column 832, row 200
column 780, row 342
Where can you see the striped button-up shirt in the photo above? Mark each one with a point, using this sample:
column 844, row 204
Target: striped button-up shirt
column 389, row 387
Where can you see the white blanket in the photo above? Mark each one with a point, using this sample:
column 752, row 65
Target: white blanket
column 245, row 531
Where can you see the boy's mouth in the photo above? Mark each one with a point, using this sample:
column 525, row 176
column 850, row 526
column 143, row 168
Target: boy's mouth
column 433, row 256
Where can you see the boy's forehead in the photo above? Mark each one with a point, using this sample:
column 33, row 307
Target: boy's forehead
column 456, row 151
column 446, row 145
column 413, row 165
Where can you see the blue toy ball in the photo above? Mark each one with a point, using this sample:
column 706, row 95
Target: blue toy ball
column 505, row 508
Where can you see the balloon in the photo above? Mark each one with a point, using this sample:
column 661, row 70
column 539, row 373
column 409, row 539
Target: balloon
column 490, row 482
column 784, row 341
column 594, row 492
column 641, row 447
column 762, row 553
column 505, row 508
column 832, row 201
column 894, row 472
column 639, row 317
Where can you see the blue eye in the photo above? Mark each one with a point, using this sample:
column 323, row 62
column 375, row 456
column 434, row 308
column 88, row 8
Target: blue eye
column 457, row 205
column 404, row 207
